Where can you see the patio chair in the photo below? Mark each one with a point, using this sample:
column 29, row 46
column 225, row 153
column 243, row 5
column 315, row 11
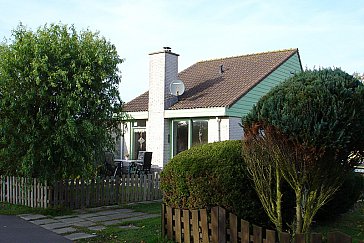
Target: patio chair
column 145, row 164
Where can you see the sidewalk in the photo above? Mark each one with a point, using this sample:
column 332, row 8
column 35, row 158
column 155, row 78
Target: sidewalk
column 79, row 225
column 17, row 230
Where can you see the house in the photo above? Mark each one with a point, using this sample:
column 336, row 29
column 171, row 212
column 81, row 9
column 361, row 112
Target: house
column 217, row 94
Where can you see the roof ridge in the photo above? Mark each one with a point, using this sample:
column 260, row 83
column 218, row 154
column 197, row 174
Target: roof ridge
column 247, row 55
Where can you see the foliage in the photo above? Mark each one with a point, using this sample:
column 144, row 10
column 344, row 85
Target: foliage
column 58, row 100
column 318, row 118
column 208, row 175
column 350, row 223
column 320, row 108
column 344, row 199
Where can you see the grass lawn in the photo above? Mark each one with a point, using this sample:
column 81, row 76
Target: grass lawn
column 350, row 223
column 147, row 230
column 11, row 209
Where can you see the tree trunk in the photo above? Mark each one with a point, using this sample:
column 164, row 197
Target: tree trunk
column 298, row 211
column 279, row 200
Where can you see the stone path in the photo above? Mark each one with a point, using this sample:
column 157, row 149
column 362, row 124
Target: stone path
column 79, row 225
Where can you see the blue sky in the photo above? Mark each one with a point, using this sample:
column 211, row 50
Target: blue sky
column 327, row 33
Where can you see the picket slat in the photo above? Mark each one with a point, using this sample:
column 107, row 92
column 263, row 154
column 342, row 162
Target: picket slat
column 197, row 226
column 79, row 193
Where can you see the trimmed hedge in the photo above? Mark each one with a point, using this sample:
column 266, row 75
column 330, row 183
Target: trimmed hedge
column 209, row 175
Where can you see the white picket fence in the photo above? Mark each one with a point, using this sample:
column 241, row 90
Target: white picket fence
column 24, row 191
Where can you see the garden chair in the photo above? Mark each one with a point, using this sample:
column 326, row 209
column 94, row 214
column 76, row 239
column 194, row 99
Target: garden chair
column 145, row 163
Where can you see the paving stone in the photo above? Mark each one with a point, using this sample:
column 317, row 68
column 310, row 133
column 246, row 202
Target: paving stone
column 88, row 215
column 112, row 222
column 64, row 230
column 55, row 225
column 72, row 220
column 106, row 212
column 97, row 227
column 78, row 236
column 84, row 223
column 32, row 216
column 64, row 217
column 123, row 210
column 98, row 218
column 44, row 221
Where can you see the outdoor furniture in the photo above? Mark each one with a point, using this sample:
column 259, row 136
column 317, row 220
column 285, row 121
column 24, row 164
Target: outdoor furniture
column 145, row 162
column 125, row 166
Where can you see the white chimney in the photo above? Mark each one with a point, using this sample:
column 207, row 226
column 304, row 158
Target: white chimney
column 163, row 69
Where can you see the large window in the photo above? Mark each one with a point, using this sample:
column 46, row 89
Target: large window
column 188, row 133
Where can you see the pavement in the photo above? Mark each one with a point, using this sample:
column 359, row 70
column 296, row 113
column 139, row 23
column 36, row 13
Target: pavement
column 82, row 224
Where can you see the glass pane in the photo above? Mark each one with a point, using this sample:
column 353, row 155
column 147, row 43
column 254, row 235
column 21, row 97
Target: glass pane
column 139, row 142
column 180, row 136
column 199, row 132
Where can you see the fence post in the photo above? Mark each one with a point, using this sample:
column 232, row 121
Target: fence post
column 195, row 226
column 245, row 232
column 215, row 224
column 284, row 237
column 186, row 226
column 233, row 221
column 338, row 237
column 169, row 222
column 163, row 219
column 270, row 236
column 178, row 228
column 257, row 234
column 300, row 238
column 316, row 238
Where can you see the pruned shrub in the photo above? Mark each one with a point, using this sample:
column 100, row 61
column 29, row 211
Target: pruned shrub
column 210, row 175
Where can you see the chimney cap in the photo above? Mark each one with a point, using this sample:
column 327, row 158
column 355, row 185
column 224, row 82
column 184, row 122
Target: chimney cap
column 167, row 49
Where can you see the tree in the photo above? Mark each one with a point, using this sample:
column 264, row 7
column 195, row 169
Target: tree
column 59, row 100
column 318, row 117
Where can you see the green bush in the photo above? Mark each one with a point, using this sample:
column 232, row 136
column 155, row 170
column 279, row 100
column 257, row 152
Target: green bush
column 209, row 175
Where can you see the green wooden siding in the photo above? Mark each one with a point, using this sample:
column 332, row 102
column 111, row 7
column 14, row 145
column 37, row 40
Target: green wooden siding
column 243, row 106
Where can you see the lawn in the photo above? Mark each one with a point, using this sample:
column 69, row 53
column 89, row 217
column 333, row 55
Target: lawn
column 147, row 230
column 350, row 223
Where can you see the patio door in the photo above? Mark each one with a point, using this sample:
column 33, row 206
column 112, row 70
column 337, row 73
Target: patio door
column 188, row 133
column 139, row 141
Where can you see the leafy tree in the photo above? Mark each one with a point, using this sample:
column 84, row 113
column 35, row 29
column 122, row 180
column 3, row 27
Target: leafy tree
column 318, row 117
column 59, row 100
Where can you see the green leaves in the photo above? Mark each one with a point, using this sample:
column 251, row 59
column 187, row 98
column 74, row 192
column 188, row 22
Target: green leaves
column 59, row 91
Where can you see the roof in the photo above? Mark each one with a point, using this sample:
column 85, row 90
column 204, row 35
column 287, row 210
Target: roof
column 207, row 87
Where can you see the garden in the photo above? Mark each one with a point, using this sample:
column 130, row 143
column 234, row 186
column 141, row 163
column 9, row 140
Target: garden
column 292, row 173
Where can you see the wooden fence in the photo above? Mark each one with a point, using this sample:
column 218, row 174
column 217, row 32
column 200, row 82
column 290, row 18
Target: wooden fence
column 80, row 193
column 217, row 226
column 106, row 191
column 24, row 191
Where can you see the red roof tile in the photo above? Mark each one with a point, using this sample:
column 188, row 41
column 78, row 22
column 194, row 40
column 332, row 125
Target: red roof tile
column 206, row 87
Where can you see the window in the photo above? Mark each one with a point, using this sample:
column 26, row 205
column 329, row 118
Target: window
column 188, row 133
column 139, row 139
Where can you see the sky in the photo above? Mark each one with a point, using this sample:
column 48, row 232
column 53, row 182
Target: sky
column 328, row 33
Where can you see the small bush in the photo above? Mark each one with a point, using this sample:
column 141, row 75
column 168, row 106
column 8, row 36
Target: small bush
column 209, row 175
